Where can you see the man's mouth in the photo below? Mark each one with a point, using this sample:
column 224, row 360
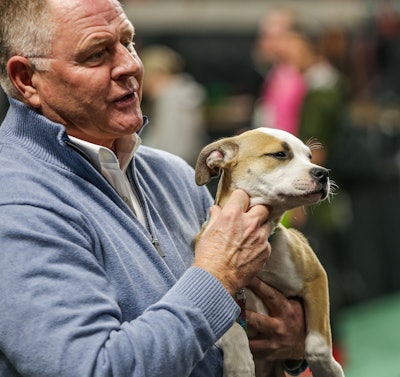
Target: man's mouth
column 126, row 101
column 126, row 97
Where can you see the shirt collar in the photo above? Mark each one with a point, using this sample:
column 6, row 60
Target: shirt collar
column 125, row 148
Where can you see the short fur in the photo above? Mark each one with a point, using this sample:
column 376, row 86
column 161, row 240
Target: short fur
column 274, row 168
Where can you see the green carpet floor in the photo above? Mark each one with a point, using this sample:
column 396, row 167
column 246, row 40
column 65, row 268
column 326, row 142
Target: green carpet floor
column 370, row 336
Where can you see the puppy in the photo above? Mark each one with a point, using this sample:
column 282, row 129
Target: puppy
column 275, row 169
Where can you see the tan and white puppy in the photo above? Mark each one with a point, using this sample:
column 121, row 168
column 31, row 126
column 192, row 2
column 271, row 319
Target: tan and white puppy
column 274, row 168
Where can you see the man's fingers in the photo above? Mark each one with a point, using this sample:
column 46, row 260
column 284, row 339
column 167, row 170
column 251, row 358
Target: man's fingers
column 266, row 327
column 258, row 346
column 213, row 212
column 262, row 323
column 241, row 199
column 273, row 299
column 238, row 198
column 277, row 337
column 262, row 289
column 260, row 211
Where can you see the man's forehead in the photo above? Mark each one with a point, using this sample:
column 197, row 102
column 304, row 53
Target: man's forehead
column 97, row 12
column 82, row 20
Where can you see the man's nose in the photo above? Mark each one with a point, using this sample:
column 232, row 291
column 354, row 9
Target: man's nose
column 126, row 62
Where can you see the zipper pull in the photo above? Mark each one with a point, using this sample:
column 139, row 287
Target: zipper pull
column 156, row 244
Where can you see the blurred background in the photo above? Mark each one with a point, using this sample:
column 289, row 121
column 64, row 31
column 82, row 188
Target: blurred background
column 322, row 69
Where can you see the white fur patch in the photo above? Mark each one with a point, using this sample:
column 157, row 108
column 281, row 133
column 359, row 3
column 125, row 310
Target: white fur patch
column 316, row 346
column 319, row 357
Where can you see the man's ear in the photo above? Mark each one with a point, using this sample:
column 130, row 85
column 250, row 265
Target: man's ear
column 213, row 158
column 21, row 72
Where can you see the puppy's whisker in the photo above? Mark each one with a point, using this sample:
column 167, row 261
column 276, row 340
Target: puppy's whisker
column 333, row 187
column 314, row 144
column 333, row 190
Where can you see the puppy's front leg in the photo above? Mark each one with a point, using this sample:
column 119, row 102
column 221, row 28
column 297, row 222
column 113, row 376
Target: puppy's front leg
column 238, row 360
column 319, row 340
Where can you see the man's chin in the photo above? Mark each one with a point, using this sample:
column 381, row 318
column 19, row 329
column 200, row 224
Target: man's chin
column 130, row 123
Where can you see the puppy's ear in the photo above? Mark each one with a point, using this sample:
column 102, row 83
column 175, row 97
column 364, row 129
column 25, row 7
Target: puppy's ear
column 213, row 158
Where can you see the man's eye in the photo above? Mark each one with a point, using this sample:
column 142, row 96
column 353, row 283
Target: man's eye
column 129, row 45
column 97, row 55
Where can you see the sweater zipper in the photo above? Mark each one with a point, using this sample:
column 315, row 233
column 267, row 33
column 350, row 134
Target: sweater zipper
column 154, row 239
column 157, row 246
column 139, row 195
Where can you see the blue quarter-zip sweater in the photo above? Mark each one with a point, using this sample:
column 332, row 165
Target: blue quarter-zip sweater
column 83, row 289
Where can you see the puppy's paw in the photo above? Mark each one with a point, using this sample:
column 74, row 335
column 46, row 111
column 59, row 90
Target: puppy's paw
column 319, row 357
column 317, row 347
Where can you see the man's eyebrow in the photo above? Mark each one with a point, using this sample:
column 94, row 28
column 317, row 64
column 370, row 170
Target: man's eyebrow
column 128, row 29
column 95, row 41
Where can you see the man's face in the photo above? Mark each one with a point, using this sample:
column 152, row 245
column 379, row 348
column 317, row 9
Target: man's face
column 94, row 82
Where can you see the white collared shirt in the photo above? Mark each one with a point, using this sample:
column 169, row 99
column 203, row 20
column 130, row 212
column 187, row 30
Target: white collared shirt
column 113, row 168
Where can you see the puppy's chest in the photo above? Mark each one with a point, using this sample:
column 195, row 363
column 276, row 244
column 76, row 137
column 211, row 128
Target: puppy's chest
column 280, row 270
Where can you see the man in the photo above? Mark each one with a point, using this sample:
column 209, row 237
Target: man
column 98, row 274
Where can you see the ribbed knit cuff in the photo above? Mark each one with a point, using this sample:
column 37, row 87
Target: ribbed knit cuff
column 215, row 302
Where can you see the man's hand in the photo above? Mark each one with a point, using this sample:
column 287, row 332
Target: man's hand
column 282, row 332
column 234, row 246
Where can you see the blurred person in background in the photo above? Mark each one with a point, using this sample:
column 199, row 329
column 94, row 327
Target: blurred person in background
column 176, row 104
column 284, row 87
column 324, row 103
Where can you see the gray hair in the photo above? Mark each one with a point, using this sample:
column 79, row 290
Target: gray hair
column 27, row 28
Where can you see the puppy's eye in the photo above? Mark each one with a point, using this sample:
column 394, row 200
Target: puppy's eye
column 278, row 155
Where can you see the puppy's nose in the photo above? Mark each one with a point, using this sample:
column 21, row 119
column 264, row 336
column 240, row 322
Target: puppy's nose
column 319, row 174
